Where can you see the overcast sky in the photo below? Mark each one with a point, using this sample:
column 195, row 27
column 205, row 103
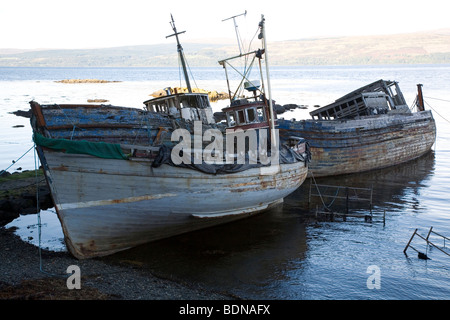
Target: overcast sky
column 31, row 24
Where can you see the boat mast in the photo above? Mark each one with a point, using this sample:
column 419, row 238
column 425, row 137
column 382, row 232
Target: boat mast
column 269, row 90
column 180, row 53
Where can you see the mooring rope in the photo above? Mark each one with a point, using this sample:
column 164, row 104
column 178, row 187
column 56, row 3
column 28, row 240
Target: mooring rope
column 438, row 99
column 38, row 210
column 334, row 199
column 436, row 111
column 14, row 162
column 320, row 194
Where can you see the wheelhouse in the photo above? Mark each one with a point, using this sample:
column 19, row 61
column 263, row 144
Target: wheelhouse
column 247, row 114
column 189, row 106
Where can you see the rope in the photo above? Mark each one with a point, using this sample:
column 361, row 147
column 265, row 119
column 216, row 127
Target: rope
column 438, row 99
column 74, row 127
column 414, row 104
column 320, row 195
column 36, row 166
column 437, row 112
column 14, row 162
column 335, row 197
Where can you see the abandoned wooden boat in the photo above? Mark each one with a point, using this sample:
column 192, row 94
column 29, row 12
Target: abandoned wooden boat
column 369, row 128
column 112, row 190
column 115, row 183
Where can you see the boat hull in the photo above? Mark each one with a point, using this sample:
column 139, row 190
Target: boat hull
column 357, row 145
column 109, row 205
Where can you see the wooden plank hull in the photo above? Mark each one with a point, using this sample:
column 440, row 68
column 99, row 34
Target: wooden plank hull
column 108, row 205
column 357, row 145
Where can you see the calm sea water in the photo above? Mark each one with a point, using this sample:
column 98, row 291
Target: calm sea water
column 282, row 253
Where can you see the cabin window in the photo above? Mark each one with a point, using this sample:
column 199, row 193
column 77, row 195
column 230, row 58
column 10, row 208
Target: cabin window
column 161, row 108
column 251, row 115
column 241, row 117
column 195, row 101
column 185, row 104
column 203, row 102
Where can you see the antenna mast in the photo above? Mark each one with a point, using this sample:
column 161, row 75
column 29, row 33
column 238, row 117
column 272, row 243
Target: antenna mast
column 180, row 52
column 236, row 28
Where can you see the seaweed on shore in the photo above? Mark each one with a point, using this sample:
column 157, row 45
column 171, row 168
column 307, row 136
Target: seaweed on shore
column 49, row 289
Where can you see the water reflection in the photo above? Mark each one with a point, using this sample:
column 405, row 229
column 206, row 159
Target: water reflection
column 393, row 188
column 269, row 255
column 248, row 254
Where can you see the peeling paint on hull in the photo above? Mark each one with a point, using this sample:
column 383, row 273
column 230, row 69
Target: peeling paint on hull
column 357, row 145
column 107, row 204
column 112, row 205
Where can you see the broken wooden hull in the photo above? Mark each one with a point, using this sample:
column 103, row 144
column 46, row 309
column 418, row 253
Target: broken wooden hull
column 357, row 145
column 109, row 205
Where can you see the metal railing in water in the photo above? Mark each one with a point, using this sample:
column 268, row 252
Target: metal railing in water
column 420, row 254
column 328, row 194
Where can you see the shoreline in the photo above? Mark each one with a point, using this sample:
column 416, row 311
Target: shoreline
column 21, row 277
column 20, row 192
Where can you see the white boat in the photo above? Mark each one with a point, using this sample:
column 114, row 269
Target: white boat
column 115, row 184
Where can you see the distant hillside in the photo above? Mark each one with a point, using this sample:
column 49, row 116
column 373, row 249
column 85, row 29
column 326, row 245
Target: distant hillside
column 425, row 47
column 130, row 56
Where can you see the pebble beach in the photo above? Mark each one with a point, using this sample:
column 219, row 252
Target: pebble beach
column 23, row 279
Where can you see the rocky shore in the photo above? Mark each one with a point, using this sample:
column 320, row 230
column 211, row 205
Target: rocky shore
column 20, row 193
column 21, row 276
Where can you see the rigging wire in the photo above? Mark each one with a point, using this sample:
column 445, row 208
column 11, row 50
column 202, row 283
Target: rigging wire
column 249, row 49
column 247, row 66
column 190, row 71
column 414, row 104
column 436, row 111
column 179, row 71
column 438, row 99
column 253, row 38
